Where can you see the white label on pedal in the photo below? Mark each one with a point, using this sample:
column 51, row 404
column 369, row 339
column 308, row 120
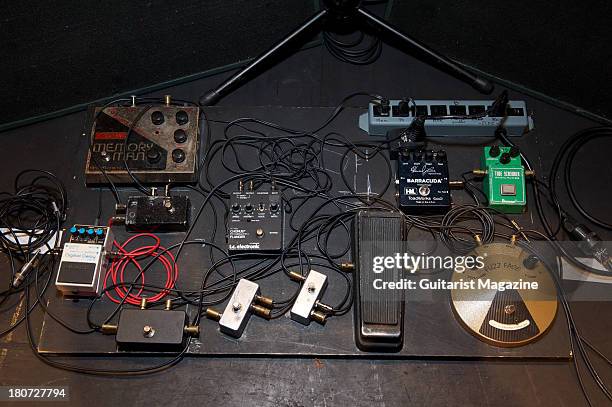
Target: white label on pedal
column 81, row 252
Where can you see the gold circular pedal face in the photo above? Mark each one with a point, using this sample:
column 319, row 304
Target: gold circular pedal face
column 511, row 300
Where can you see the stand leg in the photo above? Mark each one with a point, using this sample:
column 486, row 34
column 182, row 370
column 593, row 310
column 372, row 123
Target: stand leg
column 480, row 84
column 214, row 95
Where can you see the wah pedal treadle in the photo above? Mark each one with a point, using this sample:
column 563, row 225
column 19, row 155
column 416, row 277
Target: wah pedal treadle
column 379, row 313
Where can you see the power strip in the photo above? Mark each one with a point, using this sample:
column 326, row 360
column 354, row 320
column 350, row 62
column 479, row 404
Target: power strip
column 398, row 114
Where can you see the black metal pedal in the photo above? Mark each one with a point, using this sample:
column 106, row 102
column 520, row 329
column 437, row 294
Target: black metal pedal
column 156, row 213
column 379, row 314
column 153, row 330
column 423, row 182
column 256, row 222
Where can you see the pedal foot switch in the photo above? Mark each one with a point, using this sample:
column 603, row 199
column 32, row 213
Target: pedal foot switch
column 379, row 313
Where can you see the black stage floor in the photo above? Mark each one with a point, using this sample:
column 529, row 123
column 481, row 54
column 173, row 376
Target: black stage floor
column 309, row 79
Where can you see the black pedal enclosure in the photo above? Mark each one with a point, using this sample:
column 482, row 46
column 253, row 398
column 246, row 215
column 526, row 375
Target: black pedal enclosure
column 158, row 213
column 168, row 326
column 256, row 222
column 423, row 183
column 378, row 314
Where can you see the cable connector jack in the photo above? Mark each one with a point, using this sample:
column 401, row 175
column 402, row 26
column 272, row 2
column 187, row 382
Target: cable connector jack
column 25, row 270
column 587, row 241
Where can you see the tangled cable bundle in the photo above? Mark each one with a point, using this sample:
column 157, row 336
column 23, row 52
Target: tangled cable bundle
column 117, row 270
column 34, row 210
column 356, row 51
column 454, row 220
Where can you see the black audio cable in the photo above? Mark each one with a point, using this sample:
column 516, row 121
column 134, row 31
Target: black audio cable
column 578, row 344
column 30, row 220
column 577, row 341
column 356, row 51
column 568, row 152
column 561, row 213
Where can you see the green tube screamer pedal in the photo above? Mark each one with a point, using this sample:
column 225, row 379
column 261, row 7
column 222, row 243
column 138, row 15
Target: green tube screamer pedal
column 504, row 178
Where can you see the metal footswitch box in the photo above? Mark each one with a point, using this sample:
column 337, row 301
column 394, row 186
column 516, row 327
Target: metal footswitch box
column 151, row 329
column 157, row 213
column 307, row 305
column 246, row 300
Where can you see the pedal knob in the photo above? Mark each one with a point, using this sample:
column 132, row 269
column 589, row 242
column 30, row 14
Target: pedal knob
column 180, row 136
column 153, row 155
column 178, row 155
column 182, row 117
column 494, row 151
column 157, row 117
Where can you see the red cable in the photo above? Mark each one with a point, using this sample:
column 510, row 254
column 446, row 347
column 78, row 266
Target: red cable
column 117, row 268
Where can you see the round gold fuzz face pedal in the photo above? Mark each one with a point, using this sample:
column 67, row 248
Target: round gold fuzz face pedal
column 511, row 301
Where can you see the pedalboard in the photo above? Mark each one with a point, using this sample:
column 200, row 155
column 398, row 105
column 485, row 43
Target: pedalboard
column 504, row 179
column 84, row 260
column 379, row 314
column 388, row 115
column 159, row 144
column 245, row 301
column 423, row 183
column 155, row 213
column 255, row 222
